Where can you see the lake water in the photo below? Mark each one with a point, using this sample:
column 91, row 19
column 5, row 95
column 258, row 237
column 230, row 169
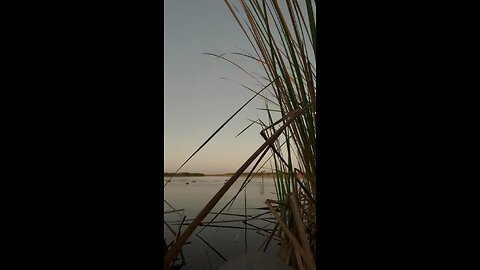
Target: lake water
column 229, row 242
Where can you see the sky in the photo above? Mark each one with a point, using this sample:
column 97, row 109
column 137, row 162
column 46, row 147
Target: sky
column 201, row 92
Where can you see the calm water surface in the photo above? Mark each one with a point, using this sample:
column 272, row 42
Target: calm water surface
column 227, row 241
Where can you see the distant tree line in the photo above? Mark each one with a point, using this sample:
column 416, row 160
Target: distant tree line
column 183, row 174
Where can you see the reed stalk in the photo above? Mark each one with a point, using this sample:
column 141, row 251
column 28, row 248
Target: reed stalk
column 282, row 35
column 175, row 249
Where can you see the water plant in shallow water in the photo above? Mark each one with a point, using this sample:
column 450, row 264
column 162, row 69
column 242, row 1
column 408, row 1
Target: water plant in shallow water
column 283, row 39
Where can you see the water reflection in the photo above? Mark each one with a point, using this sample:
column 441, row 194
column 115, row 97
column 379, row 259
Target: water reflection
column 227, row 235
column 262, row 188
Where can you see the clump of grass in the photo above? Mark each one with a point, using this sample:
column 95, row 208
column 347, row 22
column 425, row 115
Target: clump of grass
column 176, row 247
column 283, row 38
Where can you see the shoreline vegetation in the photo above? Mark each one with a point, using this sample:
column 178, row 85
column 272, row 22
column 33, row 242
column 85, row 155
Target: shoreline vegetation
column 188, row 174
column 283, row 37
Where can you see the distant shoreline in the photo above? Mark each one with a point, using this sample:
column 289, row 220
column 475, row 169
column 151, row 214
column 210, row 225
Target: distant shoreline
column 183, row 174
column 188, row 174
column 230, row 174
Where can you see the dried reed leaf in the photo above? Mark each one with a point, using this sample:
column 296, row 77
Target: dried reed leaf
column 308, row 260
column 297, row 217
column 173, row 251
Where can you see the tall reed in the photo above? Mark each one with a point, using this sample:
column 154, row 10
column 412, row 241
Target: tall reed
column 283, row 38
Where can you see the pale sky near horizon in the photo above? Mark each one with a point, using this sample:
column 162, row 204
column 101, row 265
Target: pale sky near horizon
column 197, row 97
